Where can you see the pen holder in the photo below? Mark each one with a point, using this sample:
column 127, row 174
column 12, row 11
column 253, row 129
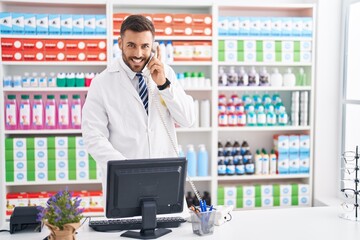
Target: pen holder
column 203, row 222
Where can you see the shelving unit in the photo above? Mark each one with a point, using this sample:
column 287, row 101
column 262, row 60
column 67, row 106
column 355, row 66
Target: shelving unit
column 258, row 137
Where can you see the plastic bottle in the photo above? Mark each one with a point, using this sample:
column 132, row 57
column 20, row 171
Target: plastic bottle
column 223, row 119
column 205, row 114
column 187, row 80
column 239, row 167
column 232, row 77
column 258, row 162
column 201, row 79
column 220, row 149
column 221, row 166
column 37, row 112
column 88, row 79
column 253, row 77
column 11, row 113
column 191, row 158
column 203, row 161
column 244, row 147
column 7, row 82
column 261, row 116
column 289, row 79
column 265, row 162
column 52, row 80
column 163, row 51
column 301, row 78
column 228, row 150
column 264, row 77
column 61, row 80
column 283, row 116
column 241, row 119
column 276, row 79
column 243, row 78
column 25, row 113
column 16, row 81
column 249, row 165
column 43, row 81
column 79, row 79
column 181, row 151
column 50, row 112
column 270, row 118
column 34, row 81
column 169, row 52
column 197, row 115
column 194, row 80
column 230, row 167
column 236, row 148
column 70, row 79
column 63, row 112
column 251, row 118
column 76, row 112
column 273, row 162
column 222, row 81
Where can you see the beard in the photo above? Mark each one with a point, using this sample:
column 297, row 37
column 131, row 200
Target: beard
column 136, row 64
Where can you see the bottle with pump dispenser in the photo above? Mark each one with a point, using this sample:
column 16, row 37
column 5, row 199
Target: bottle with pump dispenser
column 191, row 158
column 203, row 161
column 301, row 78
column 276, row 79
column 289, row 79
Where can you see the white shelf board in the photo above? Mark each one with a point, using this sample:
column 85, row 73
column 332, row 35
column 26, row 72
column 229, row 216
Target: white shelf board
column 85, row 214
column 193, row 130
column 267, row 38
column 45, row 131
column 56, row 63
column 263, row 128
column 263, row 88
column 48, row 89
column 191, row 63
column 178, row 38
column 57, row 182
column 279, row 64
column 203, row 89
column 37, row 37
column 262, row 177
column 59, row 2
column 200, row 179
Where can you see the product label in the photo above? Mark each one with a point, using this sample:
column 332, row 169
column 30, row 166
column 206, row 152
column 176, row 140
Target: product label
column 24, row 117
column 76, row 115
column 63, row 114
column 10, row 115
column 37, row 115
column 50, row 115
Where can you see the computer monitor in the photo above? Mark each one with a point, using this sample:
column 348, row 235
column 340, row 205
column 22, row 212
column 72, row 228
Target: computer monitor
column 145, row 187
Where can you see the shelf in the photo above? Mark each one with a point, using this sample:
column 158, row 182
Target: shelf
column 262, row 89
column 57, row 182
column 274, row 38
column 263, row 177
column 200, row 179
column 204, row 89
column 187, row 130
column 278, row 64
column 264, row 128
column 48, row 131
column 55, row 63
column 191, row 63
column 178, row 38
column 85, row 37
column 48, row 89
column 85, row 214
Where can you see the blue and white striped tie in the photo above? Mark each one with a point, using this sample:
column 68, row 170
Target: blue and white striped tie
column 143, row 93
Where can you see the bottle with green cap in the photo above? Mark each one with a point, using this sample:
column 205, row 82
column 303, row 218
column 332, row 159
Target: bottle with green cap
column 11, row 113
column 76, row 112
column 50, row 112
column 24, row 112
column 201, row 79
column 37, row 112
column 63, row 112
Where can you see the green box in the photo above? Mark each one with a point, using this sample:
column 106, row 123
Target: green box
column 72, row 175
column 278, row 57
column 276, row 201
column 294, row 200
column 221, row 192
column 92, row 175
column 30, row 154
column 9, row 176
column 221, row 56
column 276, row 190
column 240, row 45
column 239, row 202
column 221, row 46
column 9, row 166
column 240, row 56
column 294, row 189
column 51, row 143
column 296, row 57
column 257, row 202
column 259, row 45
column 30, row 165
column 296, row 46
column 71, row 142
column 239, row 191
column 9, row 155
column 92, row 168
column 278, row 47
column 30, row 144
column 51, row 168
column 259, row 56
column 9, row 143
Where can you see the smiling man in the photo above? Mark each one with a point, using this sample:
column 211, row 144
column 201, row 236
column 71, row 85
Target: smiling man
column 132, row 106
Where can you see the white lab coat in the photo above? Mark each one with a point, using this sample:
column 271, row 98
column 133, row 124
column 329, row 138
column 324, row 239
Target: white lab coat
column 115, row 125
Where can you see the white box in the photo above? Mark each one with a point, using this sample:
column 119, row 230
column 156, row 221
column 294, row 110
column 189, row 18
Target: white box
column 248, row 191
column 19, row 143
column 230, row 192
column 255, row 26
column 62, row 175
column 41, row 176
column 281, row 143
column 89, row 24
column 305, row 45
column 20, row 176
column 40, row 143
column 29, row 24
column 20, row 165
column 66, row 24
column 230, row 45
column 304, row 162
column 5, row 23
column 307, row 27
column 41, row 155
column 305, row 57
column 276, row 26
column 283, row 163
column 285, row 201
column 297, row 26
column 234, row 26
column 81, row 154
column 17, row 23
column 265, row 26
column 79, row 142
column 61, row 142
column 223, row 26
column 41, row 166
column 42, row 24
column 287, row 57
column 294, row 143
column 250, row 45
column 231, row 56
column 78, row 24
column 304, row 189
column 304, row 200
column 285, row 190
column 19, row 155
column 266, row 190
column 82, row 164
column 100, row 24
column 294, row 163
column 244, row 26
column 268, row 46
column 82, row 174
column 269, row 57
column 267, row 201
column 61, row 154
column 287, row 46
column 54, row 24
column 304, row 143
column 62, row 164
column 248, row 202
column 249, row 56
column 286, row 26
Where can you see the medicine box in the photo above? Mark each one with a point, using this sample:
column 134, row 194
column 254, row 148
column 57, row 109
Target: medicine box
column 40, row 143
column 77, row 24
column 17, row 23
column 297, row 24
column 42, row 24
column 54, row 24
column 66, row 24
column 304, row 143
column 307, row 27
column 5, row 23
column 100, row 24
column 29, row 23
column 223, row 26
column 265, row 26
column 61, row 142
column 283, row 163
column 294, row 163
column 281, row 143
column 276, row 26
column 255, row 26
column 294, row 143
column 244, row 26
column 89, row 24
column 304, row 162
column 266, row 190
column 234, row 26
column 286, row 26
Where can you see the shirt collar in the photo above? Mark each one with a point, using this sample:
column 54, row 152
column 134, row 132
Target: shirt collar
column 118, row 64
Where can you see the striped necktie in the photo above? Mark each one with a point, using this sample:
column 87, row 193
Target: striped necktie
column 143, row 93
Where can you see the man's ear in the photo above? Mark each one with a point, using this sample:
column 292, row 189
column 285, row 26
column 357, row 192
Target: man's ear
column 120, row 42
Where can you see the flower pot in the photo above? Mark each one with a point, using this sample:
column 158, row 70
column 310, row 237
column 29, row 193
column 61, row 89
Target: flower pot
column 67, row 234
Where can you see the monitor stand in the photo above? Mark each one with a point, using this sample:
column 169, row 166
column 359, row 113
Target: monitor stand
column 148, row 230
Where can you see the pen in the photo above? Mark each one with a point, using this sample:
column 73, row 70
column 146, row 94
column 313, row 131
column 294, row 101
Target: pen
column 211, row 208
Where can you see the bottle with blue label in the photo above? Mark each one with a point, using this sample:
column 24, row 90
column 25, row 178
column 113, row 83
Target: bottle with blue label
column 239, row 165
column 220, row 149
column 203, row 161
column 261, row 116
column 230, row 168
column 250, row 165
column 191, row 158
column 221, row 166
column 228, row 148
column 244, row 147
column 283, row 116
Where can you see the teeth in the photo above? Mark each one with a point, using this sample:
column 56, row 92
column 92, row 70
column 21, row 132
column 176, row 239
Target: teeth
column 137, row 60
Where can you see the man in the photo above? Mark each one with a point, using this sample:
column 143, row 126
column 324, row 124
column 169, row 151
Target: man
column 123, row 118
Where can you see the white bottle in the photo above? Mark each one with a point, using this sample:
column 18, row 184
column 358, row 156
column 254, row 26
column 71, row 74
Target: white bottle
column 243, row 78
column 289, row 79
column 253, row 77
column 232, row 77
column 26, row 80
column 197, row 116
column 163, row 51
column 52, row 80
column 34, row 82
column 169, row 52
column 276, row 79
column 43, row 80
column 222, row 77
column 264, row 78
column 205, row 113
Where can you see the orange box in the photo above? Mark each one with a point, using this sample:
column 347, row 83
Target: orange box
column 10, row 55
column 116, row 28
column 163, row 30
column 120, row 17
column 95, row 44
column 11, row 43
column 182, row 30
column 202, row 19
column 162, row 18
column 96, row 201
column 55, row 44
column 75, row 44
column 180, row 19
column 33, row 44
column 84, row 196
column 96, row 56
column 202, row 51
column 75, row 55
column 31, row 55
column 183, row 51
column 147, row 15
column 202, row 31
column 54, row 55
column 19, row 199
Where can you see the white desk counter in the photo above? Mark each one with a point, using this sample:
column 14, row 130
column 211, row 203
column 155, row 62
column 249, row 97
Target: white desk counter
column 278, row 224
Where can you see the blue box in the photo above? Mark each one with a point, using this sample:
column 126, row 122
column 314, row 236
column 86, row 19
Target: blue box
column 100, row 24
column 307, row 27
column 234, row 26
column 54, row 24
column 294, row 144
column 244, row 24
column 294, row 163
column 282, row 143
column 286, row 26
column 304, row 143
column 297, row 26
column 42, row 24
column 78, row 24
column 304, row 166
column 255, row 26
column 265, row 26
column 283, row 163
column 5, row 23
column 17, row 23
column 66, row 24
column 30, row 23
column 89, row 24
column 276, row 26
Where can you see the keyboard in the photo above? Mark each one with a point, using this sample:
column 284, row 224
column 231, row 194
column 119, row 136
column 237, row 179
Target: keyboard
column 105, row 225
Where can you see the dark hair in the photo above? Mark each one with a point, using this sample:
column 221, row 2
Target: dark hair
column 137, row 23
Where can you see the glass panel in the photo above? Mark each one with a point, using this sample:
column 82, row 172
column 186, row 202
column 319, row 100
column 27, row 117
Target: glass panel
column 352, row 127
column 353, row 59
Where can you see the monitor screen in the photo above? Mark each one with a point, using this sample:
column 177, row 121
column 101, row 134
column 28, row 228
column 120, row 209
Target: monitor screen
column 145, row 187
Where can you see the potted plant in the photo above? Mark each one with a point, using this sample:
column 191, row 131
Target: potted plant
column 61, row 215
